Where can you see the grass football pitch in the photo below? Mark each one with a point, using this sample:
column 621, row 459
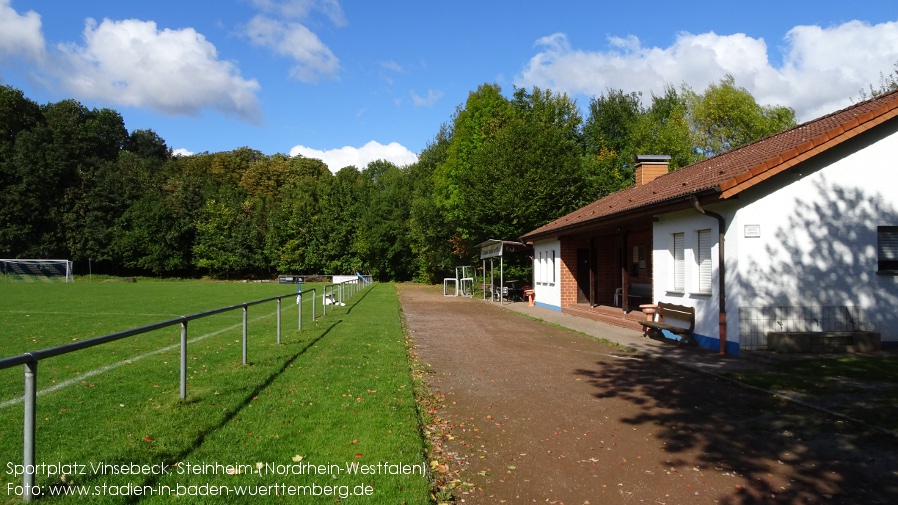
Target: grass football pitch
column 327, row 416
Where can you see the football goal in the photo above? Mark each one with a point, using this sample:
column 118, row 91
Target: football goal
column 36, row 270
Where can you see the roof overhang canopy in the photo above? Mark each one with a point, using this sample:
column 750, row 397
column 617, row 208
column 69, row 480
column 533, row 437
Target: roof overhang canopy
column 493, row 248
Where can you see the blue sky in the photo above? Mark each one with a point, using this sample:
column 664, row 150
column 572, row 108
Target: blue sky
column 353, row 81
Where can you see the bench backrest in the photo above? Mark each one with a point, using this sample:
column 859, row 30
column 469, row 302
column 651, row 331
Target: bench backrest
column 679, row 312
column 639, row 289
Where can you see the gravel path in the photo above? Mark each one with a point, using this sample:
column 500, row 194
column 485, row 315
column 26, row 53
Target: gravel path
column 535, row 413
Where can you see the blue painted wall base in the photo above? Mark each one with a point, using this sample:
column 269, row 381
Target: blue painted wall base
column 707, row 342
column 547, row 306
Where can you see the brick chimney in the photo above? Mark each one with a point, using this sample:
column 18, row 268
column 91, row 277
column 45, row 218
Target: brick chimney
column 650, row 166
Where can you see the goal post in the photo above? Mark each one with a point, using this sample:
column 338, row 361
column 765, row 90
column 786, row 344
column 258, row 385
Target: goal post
column 36, row 270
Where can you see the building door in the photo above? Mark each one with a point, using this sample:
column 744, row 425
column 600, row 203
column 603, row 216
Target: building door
column 582, row 275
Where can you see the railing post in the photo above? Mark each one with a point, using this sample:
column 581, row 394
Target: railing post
column 279, row 321
column 184, row 359
column 29, row 429
column 313, row 305
column 324, row 301
column 244, row 334
column 299, row 310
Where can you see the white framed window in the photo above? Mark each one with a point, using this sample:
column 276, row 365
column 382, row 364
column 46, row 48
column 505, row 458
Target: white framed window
column 679, row 263
column 539, row 268
column 542, row 267
column 703, row 261
column 551, row 272
column 545, row 267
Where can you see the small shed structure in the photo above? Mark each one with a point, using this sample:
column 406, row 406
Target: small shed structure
column 490, row 250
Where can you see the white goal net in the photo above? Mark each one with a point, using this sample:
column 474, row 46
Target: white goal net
column 36, row 270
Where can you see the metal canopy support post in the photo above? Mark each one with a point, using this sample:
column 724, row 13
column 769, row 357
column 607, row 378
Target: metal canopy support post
column 492, row 281
column 501, row 279
column 484, row 279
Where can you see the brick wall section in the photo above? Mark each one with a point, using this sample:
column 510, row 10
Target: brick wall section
column 648, row 172
column 569, row 271
column 608, row 264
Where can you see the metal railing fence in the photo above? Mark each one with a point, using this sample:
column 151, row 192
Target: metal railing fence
column 333, row 294
column 31, row 359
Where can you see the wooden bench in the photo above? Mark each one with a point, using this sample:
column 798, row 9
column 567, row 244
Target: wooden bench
column 682, row 314
column 639, row 294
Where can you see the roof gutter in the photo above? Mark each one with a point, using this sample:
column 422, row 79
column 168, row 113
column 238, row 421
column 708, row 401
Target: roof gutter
column 721, row 274
column 614, row 219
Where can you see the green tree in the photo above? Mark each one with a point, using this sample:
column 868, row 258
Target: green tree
column 382, row 239
column 152, row 238
column 611, row 121
column 215, row 249
column 289, row 237
column 609, row 138
column 531, row 172
column 429, row 231
column 478, row 123
column 332, row 235
column 147, row 144
column 726, row 117
column 22, row 129
column 664, row 129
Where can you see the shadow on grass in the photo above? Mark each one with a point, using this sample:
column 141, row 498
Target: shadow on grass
column 355, row 301
column 230, row 415
column 785, row 453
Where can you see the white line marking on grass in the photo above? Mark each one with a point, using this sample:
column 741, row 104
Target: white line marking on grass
column 62, row 313
column 128, row 361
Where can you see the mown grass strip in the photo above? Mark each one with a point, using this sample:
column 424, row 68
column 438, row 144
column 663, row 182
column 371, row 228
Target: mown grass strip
column 863, row 388
column 333, row 398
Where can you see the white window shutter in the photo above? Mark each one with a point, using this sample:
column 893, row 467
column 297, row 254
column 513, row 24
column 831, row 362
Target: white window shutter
column 679, row 240
column 703, row 258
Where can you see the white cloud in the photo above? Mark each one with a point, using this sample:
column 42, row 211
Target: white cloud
column 300, row 9
column 426, row 101
column 313, row 59
column 133, row 63
column 20, row 35
column 359, row 157
column 181, row 152
column 391, row 65
column 823, row 68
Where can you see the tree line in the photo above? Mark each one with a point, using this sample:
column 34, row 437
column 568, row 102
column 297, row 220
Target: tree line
column 77, row 185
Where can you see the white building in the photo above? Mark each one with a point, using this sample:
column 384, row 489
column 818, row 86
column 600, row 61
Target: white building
column 810, row 237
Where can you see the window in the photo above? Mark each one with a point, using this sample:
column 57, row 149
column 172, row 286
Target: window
column 887, row 249
column 539, row 269
column 703, row 260
column 552, row 268
column 545, row 267
column 679, row 266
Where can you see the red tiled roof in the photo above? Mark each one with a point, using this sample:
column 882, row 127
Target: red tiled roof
column 729, row 173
